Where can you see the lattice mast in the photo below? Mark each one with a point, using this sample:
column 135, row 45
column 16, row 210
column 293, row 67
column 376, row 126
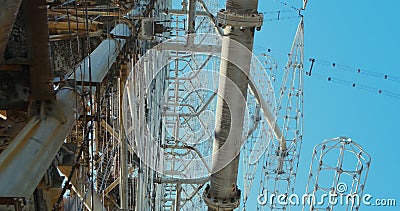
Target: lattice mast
column 280, row 167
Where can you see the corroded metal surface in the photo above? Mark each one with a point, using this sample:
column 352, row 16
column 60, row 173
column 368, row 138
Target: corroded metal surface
column 35, row 13
column 8, row 13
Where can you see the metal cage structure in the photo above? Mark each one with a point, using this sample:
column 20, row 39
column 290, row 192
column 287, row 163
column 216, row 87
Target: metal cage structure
column 339, row 168
column 279, row 165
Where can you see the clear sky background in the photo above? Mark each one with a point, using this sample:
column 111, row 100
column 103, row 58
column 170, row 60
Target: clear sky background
column 361, row 34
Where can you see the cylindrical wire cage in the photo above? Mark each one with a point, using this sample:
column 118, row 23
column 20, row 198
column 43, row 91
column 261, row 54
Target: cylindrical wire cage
column 338, row 170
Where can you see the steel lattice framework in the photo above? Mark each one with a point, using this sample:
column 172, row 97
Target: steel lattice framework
column 160, row 127
column 182, row 108
column 178, row 115
column 180, row 91
column 280, row 166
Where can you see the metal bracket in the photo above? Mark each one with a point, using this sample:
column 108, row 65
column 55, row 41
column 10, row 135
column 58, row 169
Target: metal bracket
column 221, row 204
column 226, row 18
column 146, row 29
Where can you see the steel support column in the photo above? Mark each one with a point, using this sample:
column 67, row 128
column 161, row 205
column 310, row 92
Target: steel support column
column 35, row 17
column 223, row 194
column 191, row 16
column 103, row 57
column 123, row 150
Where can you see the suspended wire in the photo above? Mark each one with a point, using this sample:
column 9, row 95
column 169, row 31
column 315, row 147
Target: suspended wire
column 78, row 156
column 73, row 57
column 356, row 85
column 280, row 18
column 91, row 132
column 288, row 5
column 280, row 15
column 354, row 70
column 360, row 71
column 277, row 12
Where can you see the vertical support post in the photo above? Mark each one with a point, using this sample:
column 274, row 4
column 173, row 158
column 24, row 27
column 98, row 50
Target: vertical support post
column 139, row 188
column 223, row 194
column 178, row 196
column 191, row 16
column 35, row 15
column 123, row 150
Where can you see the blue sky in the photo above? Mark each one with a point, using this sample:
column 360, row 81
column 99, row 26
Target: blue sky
column 361, row 34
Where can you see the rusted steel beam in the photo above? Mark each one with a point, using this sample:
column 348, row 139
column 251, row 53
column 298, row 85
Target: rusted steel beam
column 57, row 37
column 71, row 17
column 63, row 25
column 83, row 12
column 35, row 16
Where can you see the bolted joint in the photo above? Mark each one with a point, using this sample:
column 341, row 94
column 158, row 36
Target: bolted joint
column 242, row 21
column 221, row 204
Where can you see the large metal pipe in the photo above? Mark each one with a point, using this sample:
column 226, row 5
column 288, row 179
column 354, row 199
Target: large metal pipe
column 8, row 13
column 29, row 155
column 232, row 92
column 267, row 113
column 103, row 57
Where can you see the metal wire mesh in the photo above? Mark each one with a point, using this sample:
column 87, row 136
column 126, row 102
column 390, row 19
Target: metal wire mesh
column 339, row 167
